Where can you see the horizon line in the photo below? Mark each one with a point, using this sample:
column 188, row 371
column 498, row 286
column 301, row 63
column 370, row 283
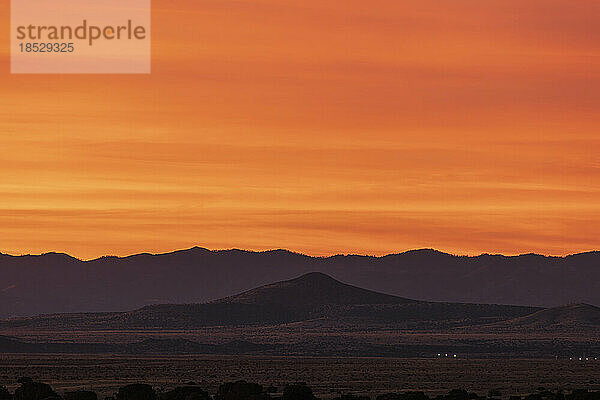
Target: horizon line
column 272, row 250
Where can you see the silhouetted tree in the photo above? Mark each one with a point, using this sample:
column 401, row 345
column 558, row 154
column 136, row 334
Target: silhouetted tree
column 298, row 391
column 351, row 397
column 241, row 390
column 186, row 393
column 30, row 390
column 5, row 394
column 403, row 396
column 457, row 394
column 81, row 395
column 581, row 394
column 137, row 391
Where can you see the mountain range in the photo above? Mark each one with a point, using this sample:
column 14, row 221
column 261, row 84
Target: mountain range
column 313, row 314
column 323, row 302
column 59, row 283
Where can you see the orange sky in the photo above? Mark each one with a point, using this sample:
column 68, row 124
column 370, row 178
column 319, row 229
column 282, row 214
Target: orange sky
column 320, row 126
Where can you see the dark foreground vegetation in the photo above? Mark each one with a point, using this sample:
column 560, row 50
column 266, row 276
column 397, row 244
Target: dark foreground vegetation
column 242, row 390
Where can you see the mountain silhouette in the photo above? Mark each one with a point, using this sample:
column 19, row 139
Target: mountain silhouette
column 311, row 289
column 313, row 297
column 58, row 283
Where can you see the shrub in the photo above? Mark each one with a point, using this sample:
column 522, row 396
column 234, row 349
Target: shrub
column 186, row 393
column 352, row 397
column 30, row 390
column 137, row 391
column 241, row 390
column 5, row 394
column 298, row 391
column 457, row 394
column 81, row 395
column 403, row 396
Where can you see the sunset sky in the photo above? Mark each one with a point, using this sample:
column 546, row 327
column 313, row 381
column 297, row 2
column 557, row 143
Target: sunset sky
column 319, row 126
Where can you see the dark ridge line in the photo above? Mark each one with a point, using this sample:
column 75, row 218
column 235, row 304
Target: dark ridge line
column 427, row 251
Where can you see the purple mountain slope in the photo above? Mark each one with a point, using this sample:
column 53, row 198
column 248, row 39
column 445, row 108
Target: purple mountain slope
column 56, row 283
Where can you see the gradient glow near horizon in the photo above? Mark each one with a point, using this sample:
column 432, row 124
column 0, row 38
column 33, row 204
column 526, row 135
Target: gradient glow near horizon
column 319, row 126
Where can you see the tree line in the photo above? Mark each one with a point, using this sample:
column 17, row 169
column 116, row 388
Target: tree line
column 243, row 390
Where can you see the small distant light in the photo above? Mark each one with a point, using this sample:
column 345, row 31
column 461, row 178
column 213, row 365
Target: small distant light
column 455, row 356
